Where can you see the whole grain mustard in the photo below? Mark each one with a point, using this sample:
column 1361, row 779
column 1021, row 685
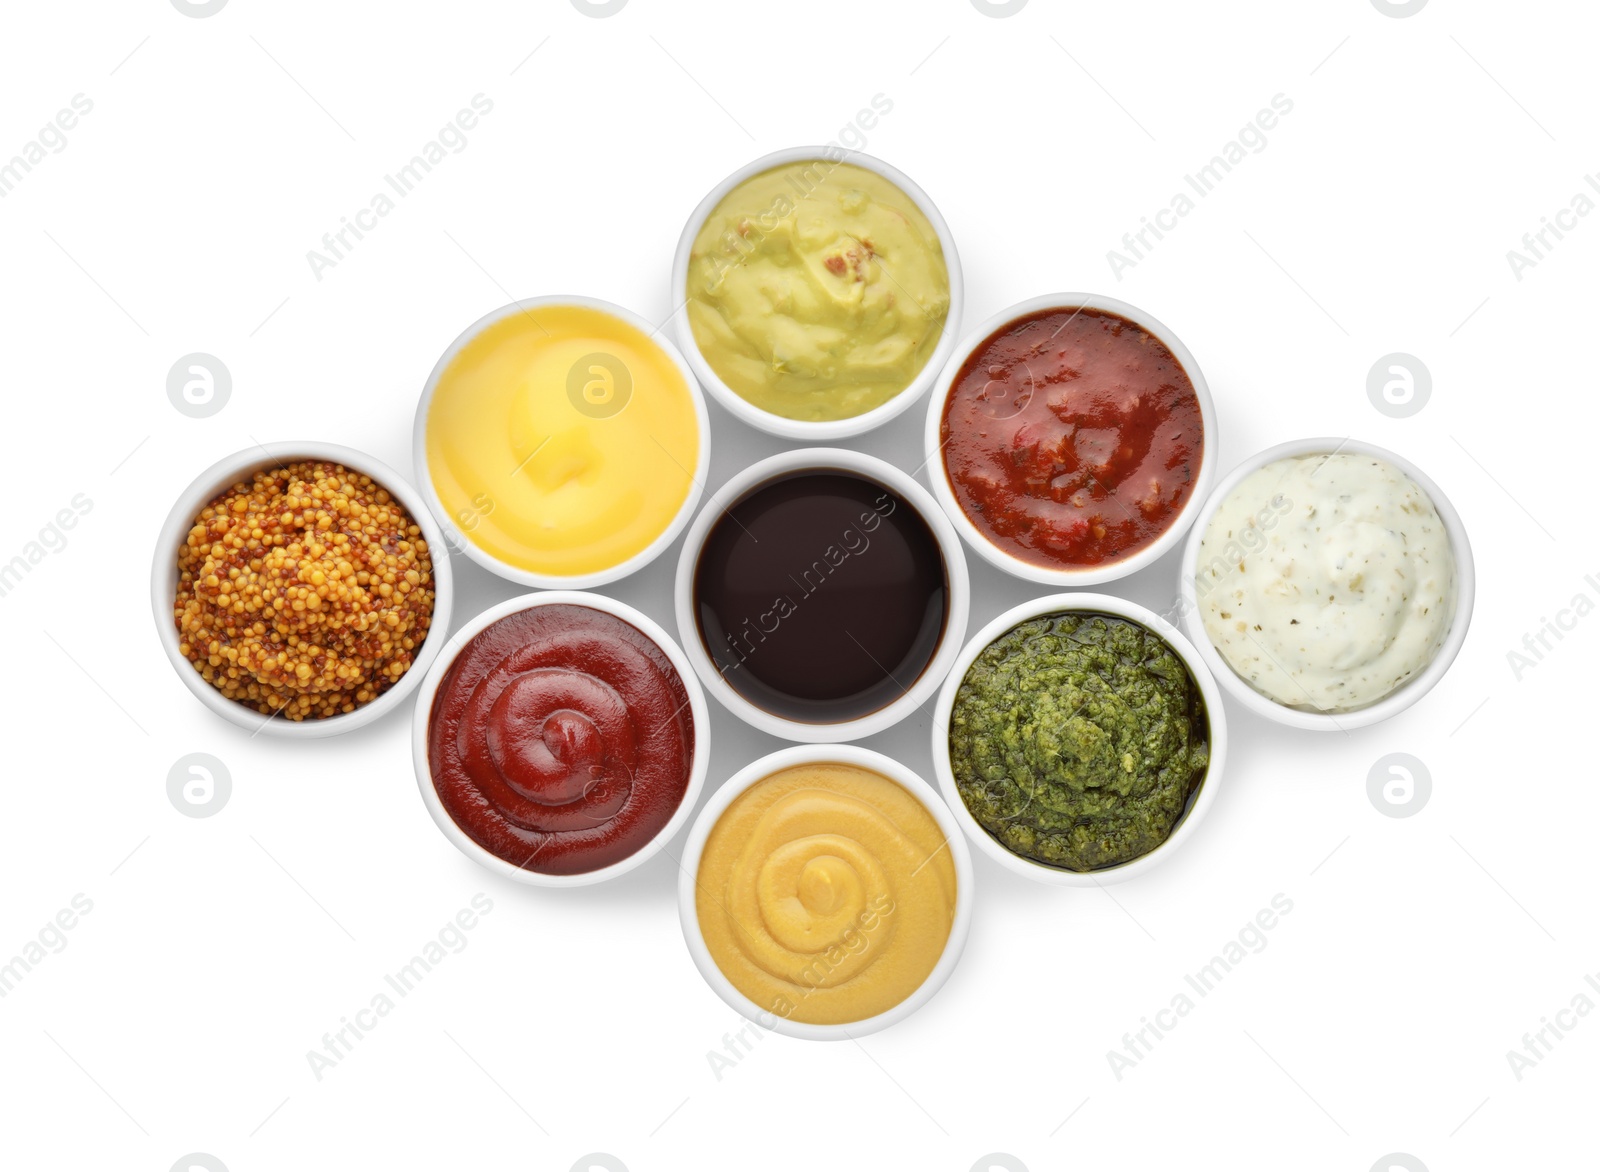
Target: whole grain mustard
column 304, row 593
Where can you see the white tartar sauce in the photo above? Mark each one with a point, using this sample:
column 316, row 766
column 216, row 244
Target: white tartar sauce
column 1327, row 581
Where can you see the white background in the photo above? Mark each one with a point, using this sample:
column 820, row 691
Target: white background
column 178, row 217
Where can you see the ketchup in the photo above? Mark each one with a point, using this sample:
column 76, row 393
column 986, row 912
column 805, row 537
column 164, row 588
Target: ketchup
column 561, row 739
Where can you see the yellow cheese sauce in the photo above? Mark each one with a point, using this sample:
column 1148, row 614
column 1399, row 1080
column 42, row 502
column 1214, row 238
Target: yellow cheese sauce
column 561, row 440
column 825, row 893
column 817, row 290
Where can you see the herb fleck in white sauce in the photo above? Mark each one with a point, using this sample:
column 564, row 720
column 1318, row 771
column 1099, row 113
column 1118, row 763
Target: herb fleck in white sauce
column 1327, row 582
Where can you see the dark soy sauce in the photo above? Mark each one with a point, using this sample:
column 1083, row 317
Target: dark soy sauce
column 821, row 596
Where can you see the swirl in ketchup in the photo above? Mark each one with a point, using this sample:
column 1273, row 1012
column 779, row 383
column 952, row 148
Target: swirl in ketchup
column 561, row 739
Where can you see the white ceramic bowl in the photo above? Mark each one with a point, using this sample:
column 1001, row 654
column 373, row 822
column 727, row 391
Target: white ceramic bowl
column 1408, row 693
column 460, row 541
column 424, row 711
column 241, row 466
column 1202, row 800
column 765, row 767
column 1066, row 576
column 809, row 431
column 823, row 459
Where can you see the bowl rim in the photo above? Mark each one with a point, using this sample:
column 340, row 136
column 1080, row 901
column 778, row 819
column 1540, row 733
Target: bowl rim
column 1068, row 576
column 524, row 577
column 423, row 714
column 1409, row 692
column 1215, row 718
column 694, row 847
column 823, row 460
column 241, row 465
column 814, row 431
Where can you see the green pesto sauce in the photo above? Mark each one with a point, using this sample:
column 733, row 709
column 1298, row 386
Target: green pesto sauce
column 1078, row 740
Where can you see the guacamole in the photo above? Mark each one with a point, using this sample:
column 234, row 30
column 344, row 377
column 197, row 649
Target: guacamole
column 817, row 290
column 1078, row 740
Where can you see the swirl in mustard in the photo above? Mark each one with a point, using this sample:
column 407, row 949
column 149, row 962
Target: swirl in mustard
column 825, row 893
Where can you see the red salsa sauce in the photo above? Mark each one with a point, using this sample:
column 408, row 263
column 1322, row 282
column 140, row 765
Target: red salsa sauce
column 1072, row 437
column 561, row 739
